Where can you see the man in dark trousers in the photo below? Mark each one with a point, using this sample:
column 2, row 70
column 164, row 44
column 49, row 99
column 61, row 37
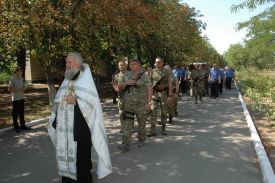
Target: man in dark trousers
column 17, row 89
column 214, row 80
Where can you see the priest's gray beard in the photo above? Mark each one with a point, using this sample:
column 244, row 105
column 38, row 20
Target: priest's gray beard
column 70, row 73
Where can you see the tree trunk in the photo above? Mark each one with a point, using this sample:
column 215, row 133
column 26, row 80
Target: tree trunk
column 51, row 87
column 21, row 60
column 138, row 46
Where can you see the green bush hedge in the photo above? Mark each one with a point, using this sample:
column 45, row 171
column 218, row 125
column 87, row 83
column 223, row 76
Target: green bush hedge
column 4, row 78
column 259, row 87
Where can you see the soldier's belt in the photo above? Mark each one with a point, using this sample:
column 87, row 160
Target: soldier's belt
column 161, row 90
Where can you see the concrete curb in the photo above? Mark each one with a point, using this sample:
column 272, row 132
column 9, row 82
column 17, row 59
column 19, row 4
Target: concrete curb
column 267, row 171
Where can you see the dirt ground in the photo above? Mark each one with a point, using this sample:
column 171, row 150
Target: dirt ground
column 36, row 106
column 266, row 134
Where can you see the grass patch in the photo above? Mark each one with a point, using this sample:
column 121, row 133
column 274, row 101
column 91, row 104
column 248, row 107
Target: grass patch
column 259, row 88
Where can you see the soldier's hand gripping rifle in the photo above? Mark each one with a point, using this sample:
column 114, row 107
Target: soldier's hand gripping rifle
column 197, row 80
column 121, row 93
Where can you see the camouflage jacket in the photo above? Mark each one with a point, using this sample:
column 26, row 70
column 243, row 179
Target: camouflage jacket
column 160, row 79
column 119, row 78
column 197, row 77
column 138, row 91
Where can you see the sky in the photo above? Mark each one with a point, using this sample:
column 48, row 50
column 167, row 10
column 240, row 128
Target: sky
column 221, row 22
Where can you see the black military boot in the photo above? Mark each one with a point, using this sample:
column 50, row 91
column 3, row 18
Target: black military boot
column 170, row 119
column 140, row 143
column 163, row 129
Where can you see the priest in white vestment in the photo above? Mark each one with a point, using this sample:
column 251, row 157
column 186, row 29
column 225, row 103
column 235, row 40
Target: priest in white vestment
column 76, row 124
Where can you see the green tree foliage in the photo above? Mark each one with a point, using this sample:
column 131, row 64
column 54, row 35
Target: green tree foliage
column 260, row 42
column 250, row 4
column 236, row 56
column 206, row 52
column 102, row 30
column 256, row 54
column 259, row 45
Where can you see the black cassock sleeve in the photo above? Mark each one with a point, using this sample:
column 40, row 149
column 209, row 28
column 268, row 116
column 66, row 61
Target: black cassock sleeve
column 54, row 122
column 81, row 129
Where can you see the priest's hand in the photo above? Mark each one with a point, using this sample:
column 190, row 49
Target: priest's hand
column 70, row 99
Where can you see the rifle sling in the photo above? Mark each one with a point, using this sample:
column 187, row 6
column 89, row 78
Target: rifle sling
column 129, row 86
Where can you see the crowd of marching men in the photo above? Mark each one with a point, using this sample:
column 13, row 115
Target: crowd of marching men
column 143, row 91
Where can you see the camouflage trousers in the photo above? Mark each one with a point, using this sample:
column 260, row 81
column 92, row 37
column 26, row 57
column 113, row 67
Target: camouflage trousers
column 159, row 101
column 198, row 91
column 130, row 112
column 120, row 112
column 172, row 107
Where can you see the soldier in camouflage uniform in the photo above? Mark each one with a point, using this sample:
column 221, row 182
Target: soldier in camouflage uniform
column 202, row 82
column 198, row 79
column 118, row 78
column 137, row 101
column 172, row 102
column 162, row 89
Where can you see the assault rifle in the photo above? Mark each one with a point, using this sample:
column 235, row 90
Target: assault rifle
column 156, row 86
column 197, row 80
column 121, row 93
column 174, row 91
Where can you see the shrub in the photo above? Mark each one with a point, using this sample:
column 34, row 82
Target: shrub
column 4, row 78
column 259, row 87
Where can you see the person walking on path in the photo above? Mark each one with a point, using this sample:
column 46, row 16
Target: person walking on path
column 172, row 103
column 118, row 78
column 214, row 80
column 229, row 75
column 137, row 101
column 162, row 89
column 17, row 89
column 182, row 79
column 76, row 124
column 197, row 78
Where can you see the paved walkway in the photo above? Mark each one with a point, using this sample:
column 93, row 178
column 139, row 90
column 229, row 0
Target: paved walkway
column 207, row 143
